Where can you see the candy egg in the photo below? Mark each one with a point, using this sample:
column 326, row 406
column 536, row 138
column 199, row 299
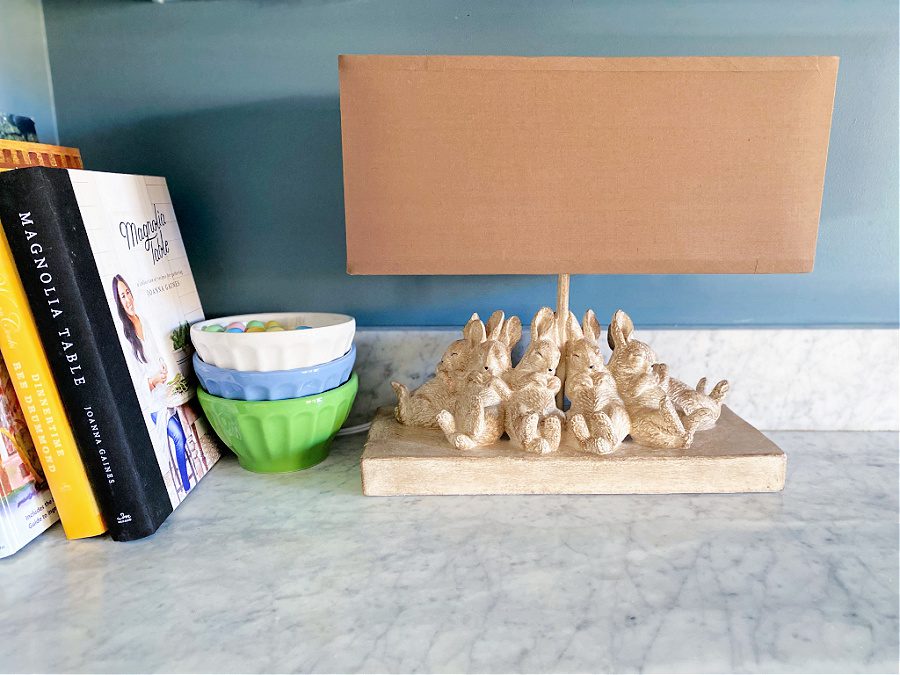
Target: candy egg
column 254, row 329
column 274, row 329
column 213, row 328
column 255, row 323
column 235, row 324
column 303, row 327
column 272, row 323
column 234, row 330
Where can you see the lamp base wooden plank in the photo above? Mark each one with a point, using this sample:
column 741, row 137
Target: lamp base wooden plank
column 732, row 457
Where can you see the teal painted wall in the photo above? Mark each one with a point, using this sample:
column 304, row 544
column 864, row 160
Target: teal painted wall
column 236, row 102
column 25, row 87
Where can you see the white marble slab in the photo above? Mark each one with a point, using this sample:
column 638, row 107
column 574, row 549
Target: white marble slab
column 820, row 379
column 301, row 573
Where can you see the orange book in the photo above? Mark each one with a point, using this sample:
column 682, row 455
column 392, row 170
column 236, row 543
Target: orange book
column 37, row 392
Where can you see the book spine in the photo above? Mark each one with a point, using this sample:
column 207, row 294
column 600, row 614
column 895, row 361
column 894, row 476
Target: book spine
column 44, row 414
column 46, row 234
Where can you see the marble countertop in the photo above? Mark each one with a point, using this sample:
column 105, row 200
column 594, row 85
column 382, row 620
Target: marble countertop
column 302, row 573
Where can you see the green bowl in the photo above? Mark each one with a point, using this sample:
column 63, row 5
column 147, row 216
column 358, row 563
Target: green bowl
column 280, row 436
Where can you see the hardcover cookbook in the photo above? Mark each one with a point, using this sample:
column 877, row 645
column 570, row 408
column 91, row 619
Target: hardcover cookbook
column 104, row 266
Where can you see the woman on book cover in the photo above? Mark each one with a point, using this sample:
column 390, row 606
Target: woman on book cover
column 155, row 375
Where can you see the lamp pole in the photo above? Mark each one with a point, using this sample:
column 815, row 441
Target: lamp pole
column 562, row 315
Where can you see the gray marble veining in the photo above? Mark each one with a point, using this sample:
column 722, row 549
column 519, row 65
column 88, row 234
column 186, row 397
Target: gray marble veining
column 783, row 379
column 300, row 572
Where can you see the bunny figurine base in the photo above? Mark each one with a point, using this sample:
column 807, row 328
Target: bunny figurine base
column 733, row 456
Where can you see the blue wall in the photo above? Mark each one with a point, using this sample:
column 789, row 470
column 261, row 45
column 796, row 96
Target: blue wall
column 25, row 87
column 236, row 102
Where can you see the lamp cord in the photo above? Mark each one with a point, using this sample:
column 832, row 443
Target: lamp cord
column 358, row 429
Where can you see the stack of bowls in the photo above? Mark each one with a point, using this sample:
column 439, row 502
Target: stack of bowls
column 277, row 398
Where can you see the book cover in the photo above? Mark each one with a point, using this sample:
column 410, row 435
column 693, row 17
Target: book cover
column 26, row 506
column 44, row 413
column 104, row 266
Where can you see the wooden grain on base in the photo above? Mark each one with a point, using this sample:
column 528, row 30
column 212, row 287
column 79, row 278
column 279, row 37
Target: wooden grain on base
column 732, row 457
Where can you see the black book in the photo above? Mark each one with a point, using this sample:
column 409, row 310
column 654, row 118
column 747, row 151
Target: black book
column 104, row 267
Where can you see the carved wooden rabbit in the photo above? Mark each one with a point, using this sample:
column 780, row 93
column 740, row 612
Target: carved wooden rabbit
column 420, row 408
column 476, row 416
column 690, row 401
column 597, row 416
column 532, row 419
column 655, row 422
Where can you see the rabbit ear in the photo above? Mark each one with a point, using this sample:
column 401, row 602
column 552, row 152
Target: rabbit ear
column 497, row 353
column 494, row 325
column 591, row 327
column 474, row 331
column 620, row 329
column 573, row 330
column 543, row 325
column 511, row 332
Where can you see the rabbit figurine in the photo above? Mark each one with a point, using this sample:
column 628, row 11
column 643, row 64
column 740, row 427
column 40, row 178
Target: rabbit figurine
column 532, row 419
column 693, row 401
column 420, row 408
column 597, row 415
column 689, row 401
column 476, row 416
column 642, row 382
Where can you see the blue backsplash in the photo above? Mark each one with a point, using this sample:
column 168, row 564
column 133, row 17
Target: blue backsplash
column 236, row 102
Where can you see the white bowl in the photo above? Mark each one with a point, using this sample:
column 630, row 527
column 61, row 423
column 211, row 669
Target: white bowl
column 328, row 338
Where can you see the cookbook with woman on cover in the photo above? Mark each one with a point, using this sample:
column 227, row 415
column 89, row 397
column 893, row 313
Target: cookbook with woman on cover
column 102, row 259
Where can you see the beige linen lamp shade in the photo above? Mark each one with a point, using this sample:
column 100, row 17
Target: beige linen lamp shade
column 510, row 165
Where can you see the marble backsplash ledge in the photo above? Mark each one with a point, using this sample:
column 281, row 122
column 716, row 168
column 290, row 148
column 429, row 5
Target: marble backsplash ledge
column 782, row 379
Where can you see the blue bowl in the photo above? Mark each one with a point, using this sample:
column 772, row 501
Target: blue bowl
column 274, row 385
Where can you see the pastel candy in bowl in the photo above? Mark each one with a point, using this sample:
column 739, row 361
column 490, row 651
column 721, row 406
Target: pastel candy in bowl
column 328, row 337
column 274, row 385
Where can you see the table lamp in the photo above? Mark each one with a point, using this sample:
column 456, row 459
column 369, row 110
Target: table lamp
column 569, row 165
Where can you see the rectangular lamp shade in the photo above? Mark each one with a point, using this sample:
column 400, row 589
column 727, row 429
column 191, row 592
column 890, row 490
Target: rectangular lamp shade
column 510, row 165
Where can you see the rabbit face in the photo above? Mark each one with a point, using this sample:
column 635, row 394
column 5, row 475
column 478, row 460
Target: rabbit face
column 583, row 355
column 635, row 357
column 484, row 349
column 541, row 357
column 456, row 357
column 490, row 357
column 582, row 350
column 629, row 356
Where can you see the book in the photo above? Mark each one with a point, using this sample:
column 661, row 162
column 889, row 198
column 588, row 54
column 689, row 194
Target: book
column 34, row 385
column 103, row 263
column 20, row 154
column 26, row 506
column 44, row 413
